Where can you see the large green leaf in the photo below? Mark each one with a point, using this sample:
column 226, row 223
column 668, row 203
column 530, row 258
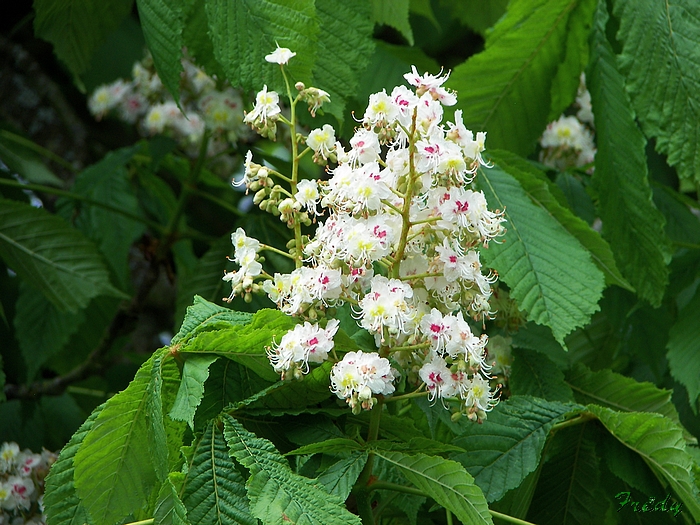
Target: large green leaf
column 683, row 354
column 278, row 495
column 543, row 193
column 659, row 441
column 23, row 161
column 631, row 222
column 63, row 507
column 445, row 481
column 53, row 257
column 393, row 13
column 107, row 182
column 345, row 47
column 195, row 372
column 245, row 344
column 534, row 374
column 203, row 315
column 162, row 24
column 41, row 329
column 506, row 89
column 507, row 446
column 214, row 490
column 243, row 32
column 660, row 58
column 568, row 491
column 478, row 16
column 114, row 467
column 169, row 509
column 550, row 275
column 340, row 477
column 76, row 28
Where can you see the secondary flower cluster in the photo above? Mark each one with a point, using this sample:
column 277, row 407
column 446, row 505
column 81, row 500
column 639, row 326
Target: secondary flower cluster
column 144, row 101
column 568, row 141
column 22, row 484
column 398, row 236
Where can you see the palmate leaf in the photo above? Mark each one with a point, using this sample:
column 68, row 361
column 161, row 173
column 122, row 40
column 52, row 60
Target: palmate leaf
column 169, row 509
column 340, row 477
column 568, row 491
column 631, row 222
column 162, row 24
column 114, row 467
column 506, row 89
column 661, row 60
column 550, row 275
column 278, row 495
column 683, row 355
column 63, row 507
column 534, row 374
column 345, row 46
column 394, row 13
column 203, row 315
column 507, row 447
column 195, row 372
column 659, row 441
column 243, row 32
column 77, row 28
column 478, row 16
column 445, row 481
column 54, row 258
column 245, row 344
column 214, row 490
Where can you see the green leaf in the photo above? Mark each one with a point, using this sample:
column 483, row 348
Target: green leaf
column 393, row 13
column 506, row 89
column 445, row 481
column 683, row 355
column 550, row 275
column 244, row 32
column 214, row 490
column 169, row 509
column 195, row 372
column 63, row 507
column 507, row 446
column 660, row 41
column 624, row 394
column 3, row 379
column 345, row 47
column 245, row 344
column 196, row 37
column 328, row 446
column 53, row 257
column 162, row 25
column 682, row 225
column 205, row 279
column 629, row 466
column 24, row 161
column 278, row 495
column 479, row 16
column 340, row 477
column 203, row 315
column 76, row 28
column 568, row 490
column 543, row 193
column 115, row 462
column 659, row 441
column 107, row 182
column 631, row 222
column 41, row 329
column 534, row 374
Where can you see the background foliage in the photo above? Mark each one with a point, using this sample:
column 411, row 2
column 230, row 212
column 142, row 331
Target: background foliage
column 605, row 382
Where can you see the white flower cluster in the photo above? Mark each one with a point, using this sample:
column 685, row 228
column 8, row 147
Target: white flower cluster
column 143, row 100
column 568, row 141
column 22, row 476
column 398, row 238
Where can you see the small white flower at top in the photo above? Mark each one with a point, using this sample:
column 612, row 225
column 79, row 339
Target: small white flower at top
column 307, row 343
column 360, row 375
column 280, row 56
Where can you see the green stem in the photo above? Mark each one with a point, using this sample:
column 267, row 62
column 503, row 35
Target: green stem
column 509, row 519
column 417, row 346
column 37, row 149
column 74, row 196
column 269, row 248
column 216, row 200
column 410, row 395
column 420, row 276
column 448, row 517
column 578, row 420
column 142, row 522
column 363, row 487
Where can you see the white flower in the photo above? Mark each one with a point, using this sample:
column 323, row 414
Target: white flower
column 386, row 306
column 266, row 107
column 437, row 377
column 358, row 376
column 304, row 344
column 281, row 56
column 307, row 195
column 322, row 141
column 432, row 84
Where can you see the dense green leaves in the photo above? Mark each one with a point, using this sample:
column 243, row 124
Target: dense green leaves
column 77, row 28
column 169, row 509
column 660, row 57
column 550, row 275
column 339, row 478
column 393, row 13
column 57, row 260
column 631, row 222
column 445, row 481
column 683, row 355
column 507, row 447
column 195, row 372
column 534, row 374
column 506, row 89
column 276, row 494
column 203, row 315
column 214, row 489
